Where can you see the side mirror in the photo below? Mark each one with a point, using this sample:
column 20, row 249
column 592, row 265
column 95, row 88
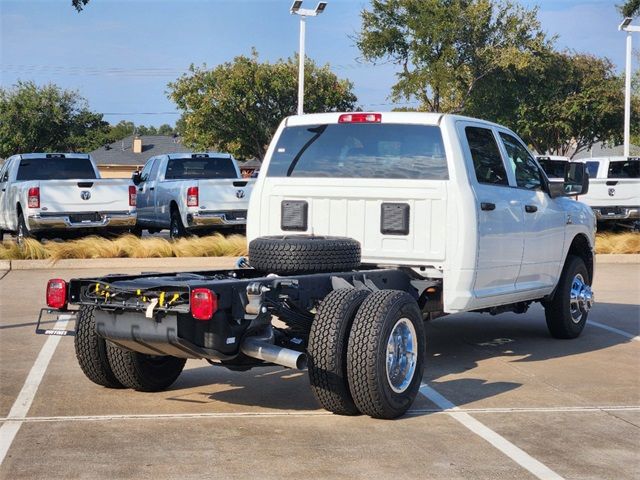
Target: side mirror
column 576, row 181
column 136, row 178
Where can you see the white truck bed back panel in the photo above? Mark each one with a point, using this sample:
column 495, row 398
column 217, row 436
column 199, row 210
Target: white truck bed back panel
column 356, row 212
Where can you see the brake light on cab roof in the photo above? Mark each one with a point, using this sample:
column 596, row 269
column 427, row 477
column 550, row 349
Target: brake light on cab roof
column 360, row 118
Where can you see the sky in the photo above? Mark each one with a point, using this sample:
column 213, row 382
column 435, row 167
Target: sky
column 120, row 55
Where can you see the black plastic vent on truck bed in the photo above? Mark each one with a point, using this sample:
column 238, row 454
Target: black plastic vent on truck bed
column 394, row 219
column 294, row 215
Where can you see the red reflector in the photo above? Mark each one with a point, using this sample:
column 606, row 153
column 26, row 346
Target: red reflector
column 34, row 197
column 57, row 293
column 132, row 195
column 192, row 197
column 204, row 303
column 360, row 118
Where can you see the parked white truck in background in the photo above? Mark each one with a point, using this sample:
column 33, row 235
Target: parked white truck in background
column 614, row 187
column 61, row 194
column 361, row 226
column 192, row 192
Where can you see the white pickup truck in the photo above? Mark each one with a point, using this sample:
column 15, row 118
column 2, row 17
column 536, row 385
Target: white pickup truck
column 61, row 194
column 614, row 187
column 192, row 192
column 361, row 226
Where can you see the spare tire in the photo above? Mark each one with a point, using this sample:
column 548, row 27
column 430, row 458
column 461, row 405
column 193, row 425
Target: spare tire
column 297, row 254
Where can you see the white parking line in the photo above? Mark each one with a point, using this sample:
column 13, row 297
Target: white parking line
column 308, row 413
column 633, row 338
column 519, row 456
column 21, row 406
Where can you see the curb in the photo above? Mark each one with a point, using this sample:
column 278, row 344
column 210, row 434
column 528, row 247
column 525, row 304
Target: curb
column 618, row 258
column 195, row 262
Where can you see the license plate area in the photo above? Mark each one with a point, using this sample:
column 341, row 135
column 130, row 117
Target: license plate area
column 85, row 217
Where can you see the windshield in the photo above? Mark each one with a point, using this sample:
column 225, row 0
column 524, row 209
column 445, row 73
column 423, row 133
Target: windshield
column 200, row 168
column 553, row 168
column 360, row 151
column 56, row 168
column 624, row 169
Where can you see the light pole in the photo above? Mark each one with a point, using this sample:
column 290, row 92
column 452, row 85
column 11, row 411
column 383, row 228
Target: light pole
column 627, row 27
column 304, row 13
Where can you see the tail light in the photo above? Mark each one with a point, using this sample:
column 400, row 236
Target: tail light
column 192, row 197
column 360, row 118
column 34, row 197
column 132, row 195
column 57, row 294
column 204, row 303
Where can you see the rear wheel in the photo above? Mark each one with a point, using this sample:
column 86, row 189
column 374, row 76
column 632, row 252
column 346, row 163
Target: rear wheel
column 23, row 231
column 385, row 357
column 146, row 373
column 91, row 350
column 328, row 350
column 176, row 228
column 567, row 313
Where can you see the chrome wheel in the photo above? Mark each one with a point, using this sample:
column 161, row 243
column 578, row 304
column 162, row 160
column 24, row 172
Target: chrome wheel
column 580, row 298
column 402, row 355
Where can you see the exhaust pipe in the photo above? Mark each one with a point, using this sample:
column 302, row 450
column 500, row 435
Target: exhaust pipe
column 254, row 348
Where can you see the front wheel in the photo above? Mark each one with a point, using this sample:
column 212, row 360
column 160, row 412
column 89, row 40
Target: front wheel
column 567, row 313
column 385, row 357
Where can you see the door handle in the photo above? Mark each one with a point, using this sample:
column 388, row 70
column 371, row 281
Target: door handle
column 530, row 208
column 487, row 206
column 152, row 188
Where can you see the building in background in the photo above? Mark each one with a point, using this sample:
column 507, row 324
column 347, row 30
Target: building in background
column 120, row 159
column 598, row 150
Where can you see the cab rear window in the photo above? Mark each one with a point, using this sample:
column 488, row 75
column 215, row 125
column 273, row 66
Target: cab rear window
column 624, row 169
column 55, row 168
column 360, row 151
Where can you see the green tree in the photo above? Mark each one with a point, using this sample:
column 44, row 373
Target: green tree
column 630, row 9
column 561, row 104
column 165, row 129
column 47, row 118
column 237, row 106
column 79, row 4
column 446, row 48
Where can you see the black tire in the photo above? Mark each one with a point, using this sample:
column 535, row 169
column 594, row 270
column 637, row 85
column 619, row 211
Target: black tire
column 299, row 254
column 328, row 350
column 145, row 373
column 371, row 388
column 91, row 350
column 563, row 320
column 176, row 228
column 23, row 231
column 136, row 231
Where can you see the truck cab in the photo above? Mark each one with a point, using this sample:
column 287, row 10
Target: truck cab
column 454, row 198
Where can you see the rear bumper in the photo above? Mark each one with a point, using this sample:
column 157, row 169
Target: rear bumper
column 604, row 214
column 217, row 218
column 65, row 221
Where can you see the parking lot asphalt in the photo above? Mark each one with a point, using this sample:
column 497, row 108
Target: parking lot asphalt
column 500, row 400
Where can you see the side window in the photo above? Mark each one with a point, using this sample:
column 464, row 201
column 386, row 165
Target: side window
column 4, row 173
column 592, row 168
column 144, row 174
column 522, row 163
column 487, row 161
column 153, row 174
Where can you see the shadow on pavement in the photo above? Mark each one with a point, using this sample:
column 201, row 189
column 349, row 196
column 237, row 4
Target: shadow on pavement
column 455, row 344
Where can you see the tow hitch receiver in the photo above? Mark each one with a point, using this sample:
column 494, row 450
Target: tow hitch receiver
column 70, row 315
